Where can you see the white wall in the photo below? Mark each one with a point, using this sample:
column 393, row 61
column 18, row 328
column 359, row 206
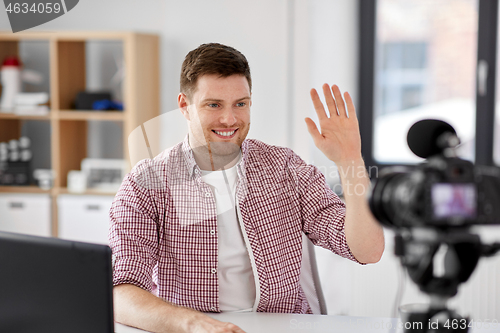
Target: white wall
column 256, row 28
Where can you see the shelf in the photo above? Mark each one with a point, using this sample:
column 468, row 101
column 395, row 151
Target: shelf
column 69, row 115
column 56, row 191
column 72, row 135
column 64, row 190
column 22, row 189
column 91, row 115
column 21, row 117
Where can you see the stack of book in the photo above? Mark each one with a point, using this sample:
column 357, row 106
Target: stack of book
column 33, row 104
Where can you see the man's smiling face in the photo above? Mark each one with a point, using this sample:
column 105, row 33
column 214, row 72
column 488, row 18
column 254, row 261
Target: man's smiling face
column 218, row 113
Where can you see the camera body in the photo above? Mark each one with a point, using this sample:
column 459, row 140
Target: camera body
column 442, row 192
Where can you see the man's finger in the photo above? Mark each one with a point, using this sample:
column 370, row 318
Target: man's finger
column 233, row 328
column 318, row 106
column 330, row 102
column 313, row 130
column 350, row 106
column 339, row 100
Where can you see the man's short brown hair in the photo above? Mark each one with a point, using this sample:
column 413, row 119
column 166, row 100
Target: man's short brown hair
column 212, row 58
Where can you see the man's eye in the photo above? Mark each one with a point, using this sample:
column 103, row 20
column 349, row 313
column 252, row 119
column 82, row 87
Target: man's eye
column 241, row 104
column 213, row 105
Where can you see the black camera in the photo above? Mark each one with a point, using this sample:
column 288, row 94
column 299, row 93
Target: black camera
column 432, row 207
column 444, row 191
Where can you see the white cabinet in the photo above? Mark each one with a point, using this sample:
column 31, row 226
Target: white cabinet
column 25, row 213
column 84, row 218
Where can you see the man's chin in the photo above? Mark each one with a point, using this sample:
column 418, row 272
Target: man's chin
column 224, row 148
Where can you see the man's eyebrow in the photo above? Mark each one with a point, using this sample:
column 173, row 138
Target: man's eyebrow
column 211, row 100
column 221, row 100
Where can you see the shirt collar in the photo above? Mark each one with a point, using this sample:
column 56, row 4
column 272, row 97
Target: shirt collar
column 191, row 162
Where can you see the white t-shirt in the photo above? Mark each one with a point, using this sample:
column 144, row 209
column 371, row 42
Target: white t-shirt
column 236, row 279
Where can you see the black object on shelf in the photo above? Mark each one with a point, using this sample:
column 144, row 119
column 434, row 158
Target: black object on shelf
column 85, row 100
column 15, row 173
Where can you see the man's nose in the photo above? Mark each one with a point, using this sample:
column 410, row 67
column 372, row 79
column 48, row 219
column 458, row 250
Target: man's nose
column 228, row 117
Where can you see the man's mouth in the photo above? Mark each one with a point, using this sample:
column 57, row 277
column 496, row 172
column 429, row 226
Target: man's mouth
column 225, row 134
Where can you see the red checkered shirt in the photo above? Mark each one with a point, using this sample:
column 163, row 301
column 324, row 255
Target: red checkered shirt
column 163, row 231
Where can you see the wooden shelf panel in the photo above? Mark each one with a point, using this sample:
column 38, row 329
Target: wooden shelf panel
column 10, row 129
column 64, row 190
column 55, row 190
column 22, row 117
column 69, row 115
column 22, row 189
column 91, row 115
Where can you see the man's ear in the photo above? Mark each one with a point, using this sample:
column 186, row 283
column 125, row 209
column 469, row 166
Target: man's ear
column 182, row 102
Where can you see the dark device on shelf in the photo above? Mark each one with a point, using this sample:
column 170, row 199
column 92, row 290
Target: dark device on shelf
column 15, row 173
column 85, row 100
column 50, row 285
column 15, row 162
column 432, row 207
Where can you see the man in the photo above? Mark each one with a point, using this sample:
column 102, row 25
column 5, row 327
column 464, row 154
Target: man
column 215, row 223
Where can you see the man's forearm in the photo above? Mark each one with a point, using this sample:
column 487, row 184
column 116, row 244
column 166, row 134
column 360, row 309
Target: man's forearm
column 364, row 234
column 137, row 307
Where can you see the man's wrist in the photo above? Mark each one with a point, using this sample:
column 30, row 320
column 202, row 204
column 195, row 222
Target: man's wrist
column 352, row 170
column 350, row 162
column 188, row 318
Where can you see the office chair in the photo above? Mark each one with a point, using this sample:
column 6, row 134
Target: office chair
column 309, row 278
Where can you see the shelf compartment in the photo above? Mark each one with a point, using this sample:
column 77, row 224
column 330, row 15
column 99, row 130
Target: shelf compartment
column 8, row 48
column 70, row 72
column 72, row 147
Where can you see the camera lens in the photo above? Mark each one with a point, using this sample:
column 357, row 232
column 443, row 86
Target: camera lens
column 389, row 197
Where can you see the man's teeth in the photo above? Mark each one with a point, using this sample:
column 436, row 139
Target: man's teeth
column 225, row 133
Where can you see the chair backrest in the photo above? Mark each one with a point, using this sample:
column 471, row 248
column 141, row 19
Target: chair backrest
column 309, row 278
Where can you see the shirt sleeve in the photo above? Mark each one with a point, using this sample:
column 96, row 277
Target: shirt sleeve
column 322, row 211
column 133, row 236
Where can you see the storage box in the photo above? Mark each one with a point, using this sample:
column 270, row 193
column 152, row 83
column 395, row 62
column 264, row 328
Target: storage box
column 84, row 218
column 25, row 213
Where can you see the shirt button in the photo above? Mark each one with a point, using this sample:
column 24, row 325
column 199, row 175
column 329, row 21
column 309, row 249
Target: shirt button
column 208, row 194
column 212, row 232
column 212, row 308
column 213, row 271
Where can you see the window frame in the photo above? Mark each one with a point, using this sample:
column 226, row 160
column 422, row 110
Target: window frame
column 485, row 100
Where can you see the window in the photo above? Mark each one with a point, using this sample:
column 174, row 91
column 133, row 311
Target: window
column 402, row 76
column 419, row 60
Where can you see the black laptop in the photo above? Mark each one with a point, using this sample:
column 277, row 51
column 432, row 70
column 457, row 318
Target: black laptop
column 53, row 285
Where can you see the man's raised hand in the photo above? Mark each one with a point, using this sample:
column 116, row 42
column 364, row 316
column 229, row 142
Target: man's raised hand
column 339, row 138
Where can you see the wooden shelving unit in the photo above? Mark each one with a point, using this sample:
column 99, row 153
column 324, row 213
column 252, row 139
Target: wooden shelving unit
column 68, row 128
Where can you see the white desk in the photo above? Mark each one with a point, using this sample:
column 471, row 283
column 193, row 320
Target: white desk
column 285, row 323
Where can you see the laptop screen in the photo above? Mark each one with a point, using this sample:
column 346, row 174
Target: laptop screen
column 54, row 285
